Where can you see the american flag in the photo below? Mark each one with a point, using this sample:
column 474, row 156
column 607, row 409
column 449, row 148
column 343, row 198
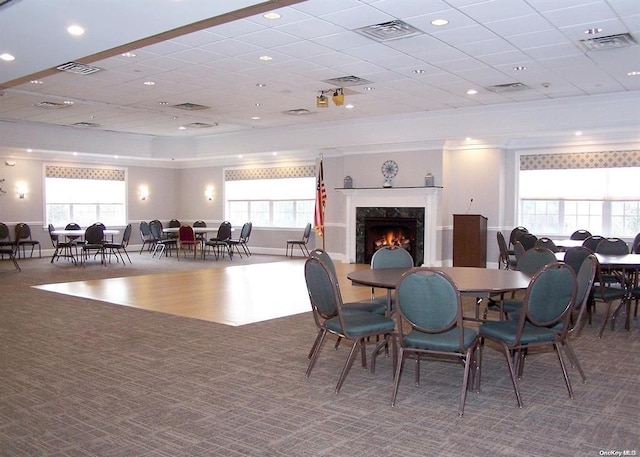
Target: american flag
column 321, row 199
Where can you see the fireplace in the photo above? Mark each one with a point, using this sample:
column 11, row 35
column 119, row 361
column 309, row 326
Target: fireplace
column 395, row 227
column 401, row 201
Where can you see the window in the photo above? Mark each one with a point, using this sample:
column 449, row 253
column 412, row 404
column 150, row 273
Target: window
column 598, row 194
column 271, row 197
column 85, row 196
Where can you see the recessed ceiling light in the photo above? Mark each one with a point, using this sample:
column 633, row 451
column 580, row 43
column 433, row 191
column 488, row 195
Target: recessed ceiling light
column 472, row 92
column 417, row 72
column 519, row 68
column 274, row 153
column 261, row 85
column 633, row 73
column 439, row 22
column 578, row 133
column 149, row 83
column 182, row 127
column 266, row 58
column 257, row 104
column 115, row 157
column 128, row 54
column 7, row 57
column 592, row 31
column 271, row 16
column 239, row 156
column 368, row 88
column 163, row 103
column 75, row 153
column 29, row 150
column 68, row 102
column 349, row 106
column 75, row 30
column 255, row 118
column 35, row 81
column 468, row 139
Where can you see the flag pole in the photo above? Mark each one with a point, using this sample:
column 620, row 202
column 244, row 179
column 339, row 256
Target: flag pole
column 321, row 198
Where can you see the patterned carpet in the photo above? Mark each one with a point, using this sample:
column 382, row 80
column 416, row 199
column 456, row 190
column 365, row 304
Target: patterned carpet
column 88, row 378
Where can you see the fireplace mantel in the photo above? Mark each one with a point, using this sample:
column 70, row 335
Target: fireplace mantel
column 400, row 197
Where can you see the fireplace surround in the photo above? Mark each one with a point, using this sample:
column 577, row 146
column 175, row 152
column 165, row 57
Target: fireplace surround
column 399, row 199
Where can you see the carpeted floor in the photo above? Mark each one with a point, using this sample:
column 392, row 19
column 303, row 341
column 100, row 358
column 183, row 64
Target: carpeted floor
column 87, row 378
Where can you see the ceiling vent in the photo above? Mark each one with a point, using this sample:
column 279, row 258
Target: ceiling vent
column 511, row 87
column 602, row 43
column 86, row 124
column 53, row 105
column 78, row 68
column 297, row 112
column 345, row 81
column 388, row 31
column 200, row 125
column 190, row 106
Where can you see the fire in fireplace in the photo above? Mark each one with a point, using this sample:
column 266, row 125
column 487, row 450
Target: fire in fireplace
column 389, row 231
column 393, row 238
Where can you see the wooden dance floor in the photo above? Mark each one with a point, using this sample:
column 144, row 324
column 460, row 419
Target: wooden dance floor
column 235, row 295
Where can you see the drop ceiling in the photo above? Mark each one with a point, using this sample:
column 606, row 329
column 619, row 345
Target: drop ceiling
column 198, row 69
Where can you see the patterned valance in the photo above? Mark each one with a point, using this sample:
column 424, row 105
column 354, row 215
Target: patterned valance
column 605, row 159
column 99, row 174
column 302, row 171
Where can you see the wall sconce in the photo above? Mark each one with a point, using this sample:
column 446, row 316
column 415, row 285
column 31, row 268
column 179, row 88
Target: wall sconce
column 322, row 101
column 209, row 193
column 22, row 190
column 144, row 192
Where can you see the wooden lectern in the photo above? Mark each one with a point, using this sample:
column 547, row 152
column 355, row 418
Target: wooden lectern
column 469, row 240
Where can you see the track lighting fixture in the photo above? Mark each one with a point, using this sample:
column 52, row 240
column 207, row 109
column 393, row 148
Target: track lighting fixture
column 337, row 96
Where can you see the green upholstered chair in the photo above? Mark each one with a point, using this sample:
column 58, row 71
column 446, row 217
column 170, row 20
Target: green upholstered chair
column 429, row 304
column 548, row 303
column 611, row 285
column 327, row 306
column 580, row 235
column 301, row 242
column 544, row 242
column 506, row 260
column 389, row 257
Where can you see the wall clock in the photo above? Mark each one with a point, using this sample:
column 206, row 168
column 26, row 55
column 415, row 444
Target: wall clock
column 389, row 171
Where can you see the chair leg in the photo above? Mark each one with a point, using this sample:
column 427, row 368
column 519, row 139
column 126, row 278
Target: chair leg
column 564, row 370
column 574, row 360
column 465, row 378
column 316, row 351
column 315, row 344
column 348, row 363
column 397, row 373
column 512, row 372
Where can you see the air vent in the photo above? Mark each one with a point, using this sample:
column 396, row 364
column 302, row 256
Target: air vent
column 78, row 68
column 388, row 31
column 511, row 87
column 200, row 125
column 345, row 81
column 297, row 112
column 53, row 105
column 190, row 106
column 85, row 124
column 608, row 42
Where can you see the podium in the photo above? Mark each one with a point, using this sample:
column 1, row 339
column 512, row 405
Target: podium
column 469, row 240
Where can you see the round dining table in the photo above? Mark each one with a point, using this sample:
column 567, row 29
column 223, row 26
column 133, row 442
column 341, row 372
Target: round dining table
column 478, row 282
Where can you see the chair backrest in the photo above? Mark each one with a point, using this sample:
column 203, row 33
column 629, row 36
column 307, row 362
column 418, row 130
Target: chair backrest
column 503, row 259
column 5, row 234
column 224, row 231
column 174, row 223
column 591, row 242
column 550, row 297
column 544, row 242
column 145, row 231
column 94, row 234
column 612, row 246
column 73, row 226
column 249, row 229
column 23, row 231
column 575, row 256
column 100, row 224
column 580, row 234
column 534, row 260
column 585, row 279
column 391, row 257
column 199, row 224
column 186, row 234
column 528, row 240
column 325, row 258
column 54, row 238
column 307, row 232
column 323, row 290
column 430, row 301
column 126, row 236
column 156, row 229
column 518, row 250
column 516, row 233
column 635, row 246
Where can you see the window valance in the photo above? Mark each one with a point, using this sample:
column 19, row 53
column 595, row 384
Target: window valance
column 604, row 159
